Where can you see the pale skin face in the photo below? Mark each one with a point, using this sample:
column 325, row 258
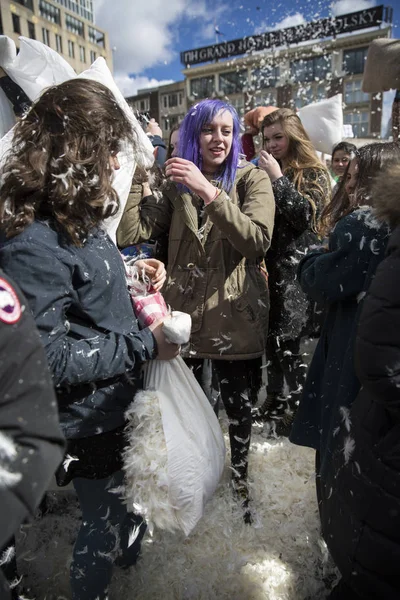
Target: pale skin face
column 216, row 141
column 352, row 175
column 340, row 160
column 174, row 142
column 275, row 141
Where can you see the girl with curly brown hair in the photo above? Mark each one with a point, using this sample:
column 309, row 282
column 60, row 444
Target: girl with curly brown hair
column 56, row 190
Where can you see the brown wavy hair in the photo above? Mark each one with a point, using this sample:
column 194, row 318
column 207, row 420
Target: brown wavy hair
column 59, row 166
column 301, row 153
column 371, row 159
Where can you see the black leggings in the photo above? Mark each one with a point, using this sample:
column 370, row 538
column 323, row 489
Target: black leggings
column 236, row 379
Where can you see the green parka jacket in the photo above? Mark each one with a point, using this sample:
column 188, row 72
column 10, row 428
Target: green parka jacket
column 214, row 256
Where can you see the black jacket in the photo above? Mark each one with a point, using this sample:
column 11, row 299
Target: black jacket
column 81, row 306
column 362, row 523
column 337, row 279
column 31, row 442
column 293, row 233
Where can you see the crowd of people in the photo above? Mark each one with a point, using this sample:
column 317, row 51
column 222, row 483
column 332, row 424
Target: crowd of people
column 252, row 250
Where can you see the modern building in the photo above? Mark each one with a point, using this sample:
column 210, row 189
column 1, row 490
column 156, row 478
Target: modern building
column 294, row 67
column 172, row 102
column 166, row 104
column 67, row 26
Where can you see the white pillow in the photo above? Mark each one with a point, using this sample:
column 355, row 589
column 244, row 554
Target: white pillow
column 36, row 66
column 323, row 121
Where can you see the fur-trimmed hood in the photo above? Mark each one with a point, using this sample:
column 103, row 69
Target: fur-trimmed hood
column 386, row 192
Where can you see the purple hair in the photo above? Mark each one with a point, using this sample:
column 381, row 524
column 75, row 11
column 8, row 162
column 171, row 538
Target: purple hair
column 197, row 117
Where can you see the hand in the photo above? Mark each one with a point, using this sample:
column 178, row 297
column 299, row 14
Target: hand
column 153, row 128
column 184, row 171
column 155, row 271
column 166, row 350
column 270, row 165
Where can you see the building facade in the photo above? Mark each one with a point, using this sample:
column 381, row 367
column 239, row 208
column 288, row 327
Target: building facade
column 286, row 69
column 67, row 26
column 166, row 104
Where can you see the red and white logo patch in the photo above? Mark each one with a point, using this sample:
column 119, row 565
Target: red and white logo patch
column 10, row 307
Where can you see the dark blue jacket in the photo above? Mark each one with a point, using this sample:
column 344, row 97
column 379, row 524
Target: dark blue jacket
column 337, row 279
column 363, row 510
column 81, row 306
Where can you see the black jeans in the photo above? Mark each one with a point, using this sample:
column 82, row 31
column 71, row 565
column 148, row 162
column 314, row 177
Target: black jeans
column 236, row 379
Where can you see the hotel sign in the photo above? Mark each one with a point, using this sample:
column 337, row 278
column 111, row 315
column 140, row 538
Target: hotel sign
column 323, row 28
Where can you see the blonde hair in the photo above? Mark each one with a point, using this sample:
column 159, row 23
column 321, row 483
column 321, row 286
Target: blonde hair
column 301, row 153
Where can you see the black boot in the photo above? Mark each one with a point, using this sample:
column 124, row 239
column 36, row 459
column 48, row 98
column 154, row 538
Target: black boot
column 242, row 495
column 263, row 413
column 281, row 417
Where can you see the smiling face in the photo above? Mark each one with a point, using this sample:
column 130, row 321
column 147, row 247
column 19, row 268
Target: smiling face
column 352, row 175
column 276, row 141
column 340, row 160
column 216, row 141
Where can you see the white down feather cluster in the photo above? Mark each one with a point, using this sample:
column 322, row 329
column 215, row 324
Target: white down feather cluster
column 176, row 453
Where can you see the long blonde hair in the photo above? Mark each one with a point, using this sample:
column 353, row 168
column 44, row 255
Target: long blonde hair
column 301, row 153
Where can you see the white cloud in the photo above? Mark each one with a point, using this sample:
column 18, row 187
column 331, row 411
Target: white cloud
column 143, row 32
column 289, row 21
column 341, row 7
column 130, row 85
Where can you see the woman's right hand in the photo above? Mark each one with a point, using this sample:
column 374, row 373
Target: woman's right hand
column 185, row 172
column 166, row 350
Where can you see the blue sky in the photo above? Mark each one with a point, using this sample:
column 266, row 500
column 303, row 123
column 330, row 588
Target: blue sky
column 147, row 36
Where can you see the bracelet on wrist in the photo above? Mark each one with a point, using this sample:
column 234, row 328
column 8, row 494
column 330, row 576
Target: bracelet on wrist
column 217, row 193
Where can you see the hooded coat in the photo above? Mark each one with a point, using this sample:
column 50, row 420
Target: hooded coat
column 362, row 517
column 214, row 258
column 337, row 279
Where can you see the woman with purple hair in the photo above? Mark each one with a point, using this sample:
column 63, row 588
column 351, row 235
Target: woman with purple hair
column 219, row 213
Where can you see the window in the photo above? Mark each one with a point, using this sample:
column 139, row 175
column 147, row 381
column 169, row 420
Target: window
column 264, row 99
column 74, row 25
column 233, row 82
column 264, row 77
column 26, row 3
column 172, row 100
column 93, row 56
column 49, row 12
column 59, row 43
column 96, row 37
column 71, row 49
column 82, row 53
column 46, row 36
column 354, row 60
column 180, row 100
column 16, row 21
column 165, row 101
column 144, row 105
column 353, row 93
column 31, row 30
column 202, row 87
column 308, row 94
column 359, row 121
column 310, row 69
